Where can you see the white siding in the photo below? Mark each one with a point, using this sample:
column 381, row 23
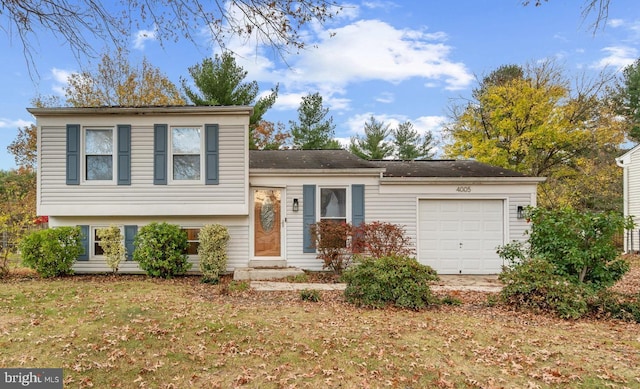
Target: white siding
column 142, row 197
column 237, row 250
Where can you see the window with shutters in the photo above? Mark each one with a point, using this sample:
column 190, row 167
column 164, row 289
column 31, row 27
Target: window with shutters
column 186, row 154
column 98, row 154
column 333, row 204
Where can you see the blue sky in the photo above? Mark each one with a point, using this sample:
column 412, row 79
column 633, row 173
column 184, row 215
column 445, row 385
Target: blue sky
column 395, row 60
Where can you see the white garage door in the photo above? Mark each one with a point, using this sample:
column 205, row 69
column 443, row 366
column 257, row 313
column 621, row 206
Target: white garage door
column 461, row 236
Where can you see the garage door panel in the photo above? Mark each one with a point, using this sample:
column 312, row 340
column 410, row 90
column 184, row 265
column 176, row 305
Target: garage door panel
column 462, row 235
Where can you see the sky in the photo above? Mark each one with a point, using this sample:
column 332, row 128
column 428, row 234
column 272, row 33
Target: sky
column 394, row 60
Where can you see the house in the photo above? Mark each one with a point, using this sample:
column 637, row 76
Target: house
column 630, row 163
column 192, row 166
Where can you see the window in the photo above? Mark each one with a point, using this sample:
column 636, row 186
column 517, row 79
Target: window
column 333, row 204
column 97, row 249
column 193, row 240
column 186, row 144
column 98, row 148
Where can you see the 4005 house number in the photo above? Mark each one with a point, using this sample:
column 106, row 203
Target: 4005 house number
column 463, row 189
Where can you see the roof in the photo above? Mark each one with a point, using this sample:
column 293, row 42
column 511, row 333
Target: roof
column 307, row 159
column 443, row 168
column 122, row 110
column 343, row 160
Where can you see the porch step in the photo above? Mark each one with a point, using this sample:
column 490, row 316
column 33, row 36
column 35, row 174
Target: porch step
column 269, row 263
column 264, row 273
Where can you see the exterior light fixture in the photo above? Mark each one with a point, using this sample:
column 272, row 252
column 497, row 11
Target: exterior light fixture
column 295, row 205
column 520, row 212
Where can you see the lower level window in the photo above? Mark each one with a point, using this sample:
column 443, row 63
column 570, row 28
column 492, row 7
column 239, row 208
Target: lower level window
column 333, row 204
column 97, row 249
column 193, row 240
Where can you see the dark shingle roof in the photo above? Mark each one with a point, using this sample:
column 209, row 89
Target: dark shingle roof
column 306, row 159
column 443, row 168
column 342, row 159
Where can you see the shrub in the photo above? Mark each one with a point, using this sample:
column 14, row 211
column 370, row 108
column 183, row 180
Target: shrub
column 580, row 244
column 331, row 240
column 213, row 251
column 112, row 243
column 534, row 284
column 53, row 251
column 311, row 295
column 615, row 305
column 381, row 239
column 160, row 250
column 400, row 281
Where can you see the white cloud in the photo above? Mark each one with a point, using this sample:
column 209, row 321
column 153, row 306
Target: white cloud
column 385, row 98
column 142, row 36
column 618, row 57
column 615, row 23
column 9, row 123
column 61, row 79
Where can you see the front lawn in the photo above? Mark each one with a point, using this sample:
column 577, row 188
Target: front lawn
column 133, row 331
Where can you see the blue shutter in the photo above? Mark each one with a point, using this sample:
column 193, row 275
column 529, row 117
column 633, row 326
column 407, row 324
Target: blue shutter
column 160, row 151
column 211, row 134
column 124, row 154
column 73, row 154
column 129, row 237
column 84, row 241
column 308, row 216
column 357, row 205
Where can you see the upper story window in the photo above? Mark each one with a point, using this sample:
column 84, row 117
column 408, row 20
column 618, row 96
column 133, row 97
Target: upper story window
column 186, row 145
column 98, row 149
column 333, row 204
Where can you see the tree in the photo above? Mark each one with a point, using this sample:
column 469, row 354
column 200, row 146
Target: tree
column 25, row 147
column 599, row 7
column 313, row 131
column 373, row 145
column 409, row 145
column 220, row 81
column 17, row 210
column 269, row 136
column 277, row 23
column 117, row 82
column 536, row 124
column 627, row 97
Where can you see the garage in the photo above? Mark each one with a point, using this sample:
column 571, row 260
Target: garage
column 460, row 236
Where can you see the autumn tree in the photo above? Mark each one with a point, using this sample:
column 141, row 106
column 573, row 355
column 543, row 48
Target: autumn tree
column 409, row 145
column 17, row 210
column 270, row 136
column 117, row 82
column 24, row 147
column 313, row 130
column 374, row 144
column 220, row 81
column 77, row 23
column 536, row 123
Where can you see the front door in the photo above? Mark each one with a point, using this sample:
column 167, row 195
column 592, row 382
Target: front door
column 267, row 241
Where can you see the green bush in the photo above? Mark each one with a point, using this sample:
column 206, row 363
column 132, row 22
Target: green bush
column 399, row 281
column 213, row 251
column 53, row 251
column 534, row 284
column 607, row 303
column 160, row 250
column 112, row 243
column 579, row 243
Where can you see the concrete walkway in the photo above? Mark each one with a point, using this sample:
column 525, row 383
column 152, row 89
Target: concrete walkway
column 447, row 282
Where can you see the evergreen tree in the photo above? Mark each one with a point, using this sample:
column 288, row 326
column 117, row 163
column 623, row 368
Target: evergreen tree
column 409, row 145
column 313, row 131
column 220, row 81
column 373, row 145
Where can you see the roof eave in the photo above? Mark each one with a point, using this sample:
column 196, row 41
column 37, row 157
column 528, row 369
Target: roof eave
column 316, row 172
column 460, row 180
column 160, row 110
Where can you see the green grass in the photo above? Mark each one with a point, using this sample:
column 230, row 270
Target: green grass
column 131, row 331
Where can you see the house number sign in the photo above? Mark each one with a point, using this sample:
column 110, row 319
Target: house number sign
column 463, row 189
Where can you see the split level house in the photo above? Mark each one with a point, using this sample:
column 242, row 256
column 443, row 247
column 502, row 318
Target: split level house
column 192, row 166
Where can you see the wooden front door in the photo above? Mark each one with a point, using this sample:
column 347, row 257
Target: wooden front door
column 267, row 222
